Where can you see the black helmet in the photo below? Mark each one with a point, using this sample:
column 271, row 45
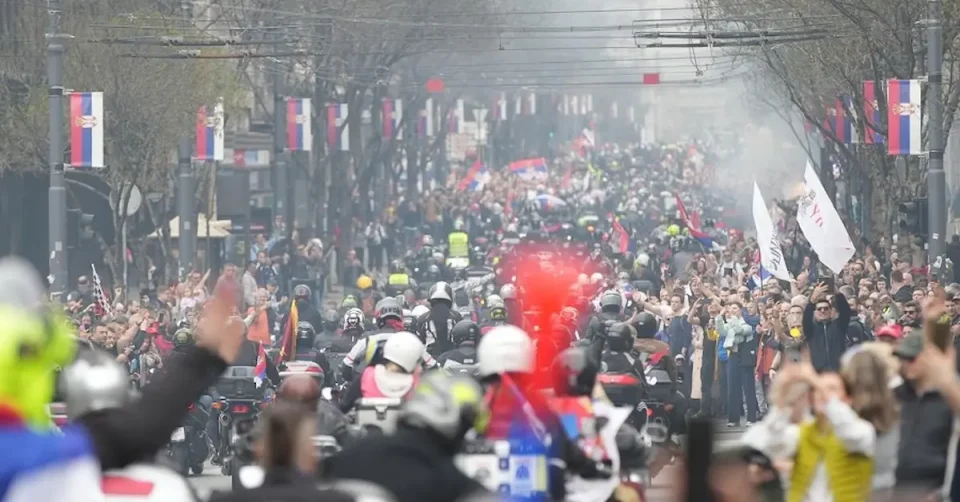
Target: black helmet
column 433, row 270
column 305, row 330
column 441, row 291
column 645, row 324
column 331, row 320
column 388, row 308
column 301, row 292
column 574, row 373
column 621, row 336
column 611, row 301
column 465, row 331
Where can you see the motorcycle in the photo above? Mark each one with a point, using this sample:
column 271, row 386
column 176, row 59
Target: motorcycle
column 376, row 415
column 188, row 448
column 242, row 440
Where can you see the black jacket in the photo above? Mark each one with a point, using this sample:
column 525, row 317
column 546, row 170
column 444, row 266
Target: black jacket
column 138, row 430
column 827, row 341
column 285, row 486
column 414, row 465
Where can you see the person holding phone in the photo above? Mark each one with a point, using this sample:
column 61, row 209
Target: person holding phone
column 825, row 326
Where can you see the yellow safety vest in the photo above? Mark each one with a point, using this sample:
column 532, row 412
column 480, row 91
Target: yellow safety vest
column 398, row 280
column 459, row 246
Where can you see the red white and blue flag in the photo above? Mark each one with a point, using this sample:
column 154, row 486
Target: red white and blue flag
column 260, row 370
column 530, row 169
column 624, row 243
column 209, row 144
column 500, row 107
column 692, row 222
column 86, row 129
column 530, row 104
column 455, row 118
column 392, row 115
column 838, row 121
column 903, row 117
column 299, row 125
column 249, row 158
column 475, row 179
column 425, row 126
column 871, row 114
column 338, row 132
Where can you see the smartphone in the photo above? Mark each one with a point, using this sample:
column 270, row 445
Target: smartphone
column 830, row 282
column 162, row 317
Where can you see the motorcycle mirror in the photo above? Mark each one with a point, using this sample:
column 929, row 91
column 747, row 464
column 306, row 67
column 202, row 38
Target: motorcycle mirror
column 251, row 476
column 658, row 433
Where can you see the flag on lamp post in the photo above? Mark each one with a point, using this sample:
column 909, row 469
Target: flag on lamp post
column 86, row 129
column 209, row 134
column 299, row 125
column 337, row 138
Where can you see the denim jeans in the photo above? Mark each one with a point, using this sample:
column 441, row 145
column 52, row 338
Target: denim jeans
column 740, row 385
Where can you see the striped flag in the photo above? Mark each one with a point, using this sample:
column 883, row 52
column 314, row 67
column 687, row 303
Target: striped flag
column 86, row 129
column 838, row 121
column 871, row 114
column 425, row 125
column 455, row 118
column 338, row 139
column 903, row 117
column 299, row 126
column 500, row 107
column 288, row 343
column 392, row 115
column 209, row 137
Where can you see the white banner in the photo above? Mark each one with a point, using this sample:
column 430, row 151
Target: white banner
column 771, row 256
column 821, row 224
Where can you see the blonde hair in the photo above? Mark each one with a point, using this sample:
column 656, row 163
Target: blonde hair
column 865, row 377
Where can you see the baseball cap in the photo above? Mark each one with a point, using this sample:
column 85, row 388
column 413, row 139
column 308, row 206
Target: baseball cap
column 894, row 331
column 910, row 347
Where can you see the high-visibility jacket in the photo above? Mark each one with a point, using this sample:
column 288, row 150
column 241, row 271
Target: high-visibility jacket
column 458, row 245
column 398, row 280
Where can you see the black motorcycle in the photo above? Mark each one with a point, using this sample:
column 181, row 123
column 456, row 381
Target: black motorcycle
column 189, row 447
column 241, row 446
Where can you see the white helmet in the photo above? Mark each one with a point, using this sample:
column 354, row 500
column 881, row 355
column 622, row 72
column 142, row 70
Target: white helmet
column 583, row 279
column 596, row 277
column 508, row 292
column 505, row 349
column 419, row 310
column 403, row 349
column 427, row 240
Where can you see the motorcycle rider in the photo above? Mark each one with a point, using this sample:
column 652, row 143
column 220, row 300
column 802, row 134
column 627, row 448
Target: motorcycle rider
column 416, row 462
column 434, row 327
column 465, row 334
column 393, row 375
column 398, row 280
column 67, row 466
column 368, row 349
column 354, row 324
column 306, row 310
column 95, row 384
column 611, row 304
column 496, row 313
column 506, row 359
column 458, row 246
column 514, row 310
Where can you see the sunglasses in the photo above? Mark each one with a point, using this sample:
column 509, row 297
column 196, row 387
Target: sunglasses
column 823, row 309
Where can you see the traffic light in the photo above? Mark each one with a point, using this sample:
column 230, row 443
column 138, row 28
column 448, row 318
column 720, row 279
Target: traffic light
column 79, row 227
column 912, row 216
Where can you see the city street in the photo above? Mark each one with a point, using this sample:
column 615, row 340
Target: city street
column 663, row 485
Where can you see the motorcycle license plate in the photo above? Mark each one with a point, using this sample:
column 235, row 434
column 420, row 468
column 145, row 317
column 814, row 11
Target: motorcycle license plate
column 178, row 435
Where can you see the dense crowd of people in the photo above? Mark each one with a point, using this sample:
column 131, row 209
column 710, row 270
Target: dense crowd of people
column 616, row 261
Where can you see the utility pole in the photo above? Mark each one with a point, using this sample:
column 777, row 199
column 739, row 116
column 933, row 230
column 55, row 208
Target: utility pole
column 186, row 186
column 936, row 178
column 280, row 192
column 57, row 201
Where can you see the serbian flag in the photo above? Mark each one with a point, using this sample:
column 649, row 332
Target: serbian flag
column 529, row 169
column 475, row 179
column 288, row 344
column 693, row 224
column 838, row 121
column 260, row 370
column 903, row 117
column 337, row 138
column 299, row 127
column 624, row 243
column 425, row 120
column 455, row 118
column 530, row 104
column 392, row 115
column 871, row 114
column 86, row 129
column 209, row 144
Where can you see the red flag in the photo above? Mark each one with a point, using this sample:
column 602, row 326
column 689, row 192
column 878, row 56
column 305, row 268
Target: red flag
column 288, row 344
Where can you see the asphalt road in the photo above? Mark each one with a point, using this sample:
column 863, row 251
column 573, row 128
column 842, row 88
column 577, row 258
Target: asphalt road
column 663, row 485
